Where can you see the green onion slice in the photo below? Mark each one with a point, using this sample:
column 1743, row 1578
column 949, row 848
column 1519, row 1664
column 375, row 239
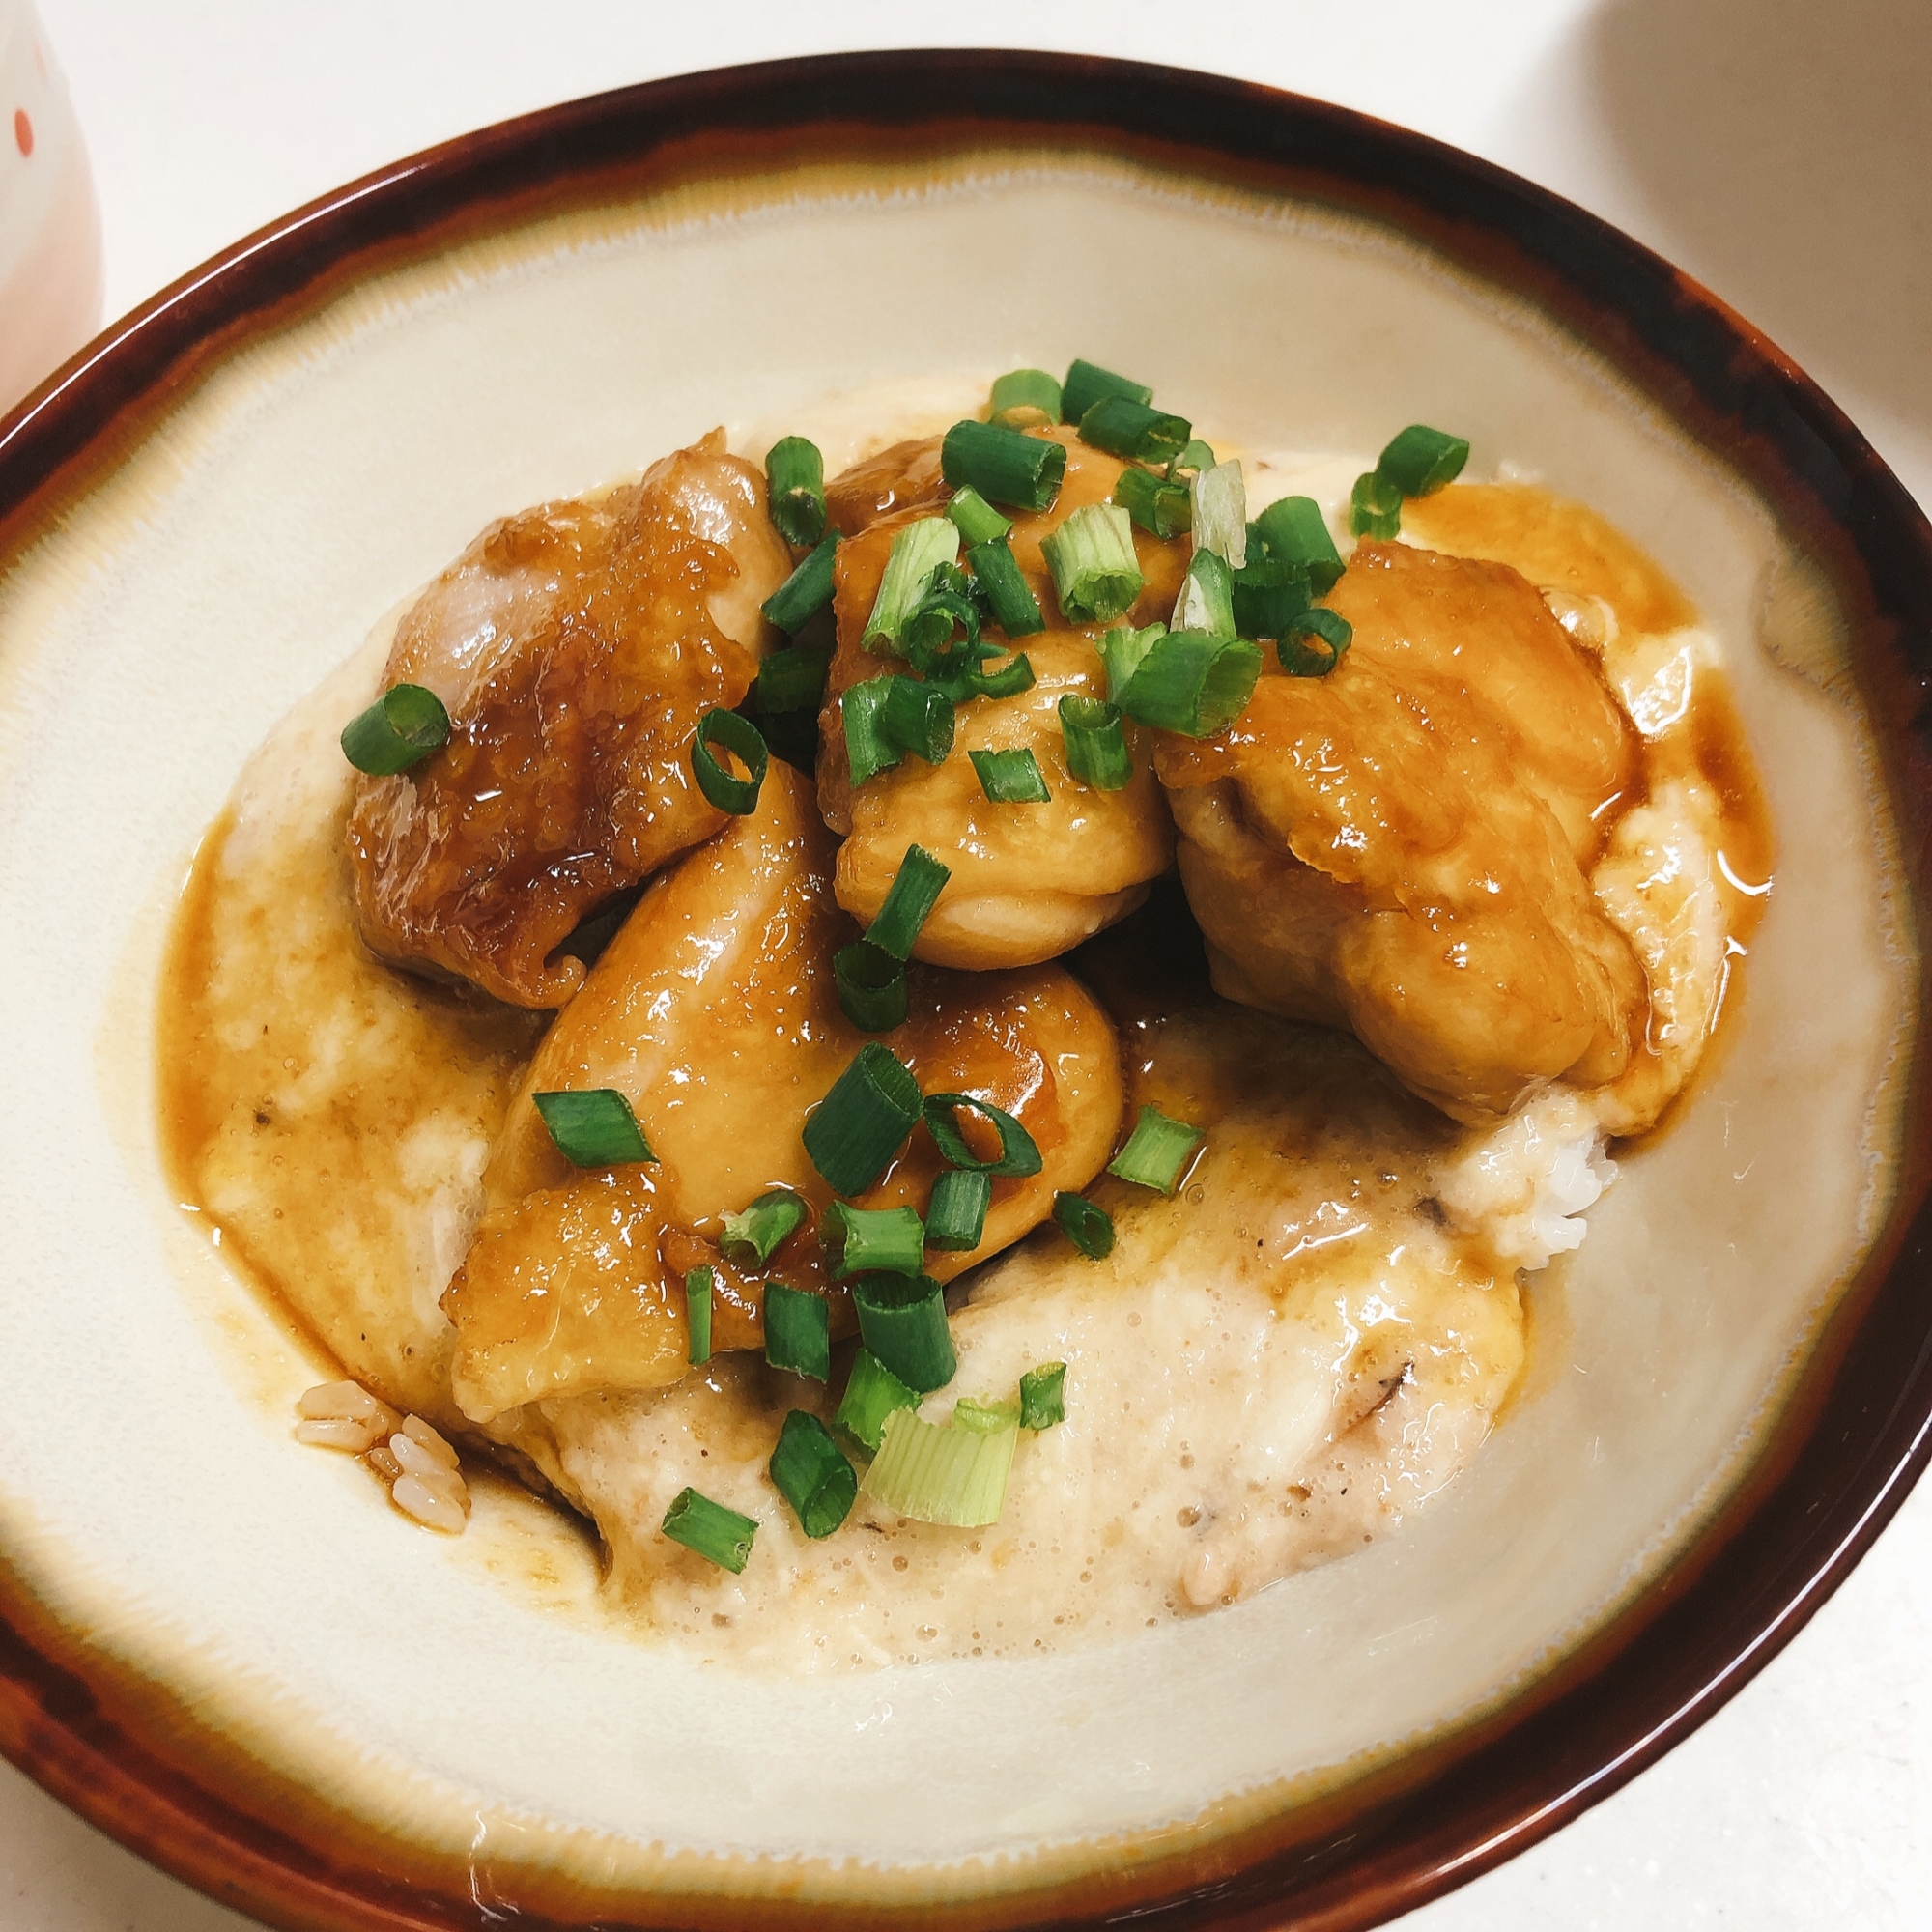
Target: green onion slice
column 1207, row 599
column 1095, row 573
column 1003, row 465
column 871, row 986
column 1019, row 1153
column 1421, row 460
column 918, row 550
column 1220, row 513
column 794, row 679
column 976, row 520
column 1192, row 683
column 955, row 1217
column 1090, row 1228
column 798, row 1332
column 715, row 1532
column 811, row 1472
column 1124, row 427
column 1157, row 1152
column 1009, row 595
column 796, row 473
column 925, row 636
column 1196, row 456
column 872, row 1392
column 806, row 592
column 753, row 1235
column 1087, row 383
column 917, row 718
column 1010, row 777
column 698, row 1287
column 984, row 1418
column 1012, row 677
column 400, row 730
column 1296, row 531
column 868, row 1240
column 1123, row 650
column 936, row 1473
column 1043, row 1396
column 902, row 1322
column 1161, row 508
column 867, row 749
column 1375, row 506
column 1269, row 595
column 909, row 901
column 1026, row 396
column 854, row 1132
column 593, row 1128
column 1095, row 741
column 730, row 732
column 1299, row 657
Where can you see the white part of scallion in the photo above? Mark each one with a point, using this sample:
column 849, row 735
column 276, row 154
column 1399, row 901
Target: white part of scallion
column 917, row 551
column 1207, row 600
column 940, row 1473
column 1219, row 499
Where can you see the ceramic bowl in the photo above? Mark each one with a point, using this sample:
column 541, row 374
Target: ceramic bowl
column 214, row 1644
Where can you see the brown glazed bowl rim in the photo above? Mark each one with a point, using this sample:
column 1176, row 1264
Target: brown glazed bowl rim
column 1857, row 1428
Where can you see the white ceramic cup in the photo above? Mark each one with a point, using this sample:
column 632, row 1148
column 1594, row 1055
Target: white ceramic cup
column 50, row 286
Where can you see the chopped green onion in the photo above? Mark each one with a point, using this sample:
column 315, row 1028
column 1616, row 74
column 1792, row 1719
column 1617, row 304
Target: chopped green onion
column 1299, row 658
column 867, row 749
column 1122, row 651
column 917, row 718
column 806, row 592
column 1010, row 777
column 400, row 730
column 1160, row 508
column 1296, row 531
column 866, row 1240
column 1124, row 427
column 1003, row 465
column 927, row 635
column 733, row 732
column 1043, row 1396
column 797, row 475
column 934, row 1473
column 918, row 550
column 853, row 1133
column 976, row 520
column 1087, row 383
column 984, row 1418
column 872, row 1392
column 1028, row 395
column 698, row 1287
column 1009, row 681
column 1220, row 513
column 798, row 1332
column 1192, row 683
column 1196, row 456
column 1095, row 573
column 753, row 1235
column 1269, row 595
column 1421, row 460
column 902, row 1321
column 1207, row 599
column 1375, row 506
column 908, row 903
column 956, row 1218
column 1009, row 595
column 1090, row 1228
column 720, row 1534
column 1157, row 1152
column 1019, row 1153
column 811, row 1472
column 794, row 679
column 593, row 1128
column 871, row 986
column 1095, row 741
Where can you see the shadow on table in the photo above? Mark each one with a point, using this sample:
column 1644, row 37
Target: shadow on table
column 1783, row 148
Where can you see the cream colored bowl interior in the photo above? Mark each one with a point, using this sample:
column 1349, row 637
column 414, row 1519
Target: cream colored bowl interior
column 471, row 1693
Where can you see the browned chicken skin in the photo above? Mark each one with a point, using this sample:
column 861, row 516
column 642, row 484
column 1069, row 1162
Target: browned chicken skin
column 1029, row 881
column 576, row 646
column 1402, row 848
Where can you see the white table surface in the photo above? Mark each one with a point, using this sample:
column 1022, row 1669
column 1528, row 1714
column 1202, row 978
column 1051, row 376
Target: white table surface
column 1782, row 151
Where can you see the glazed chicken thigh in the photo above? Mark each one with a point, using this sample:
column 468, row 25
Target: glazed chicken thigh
column 575, row 647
